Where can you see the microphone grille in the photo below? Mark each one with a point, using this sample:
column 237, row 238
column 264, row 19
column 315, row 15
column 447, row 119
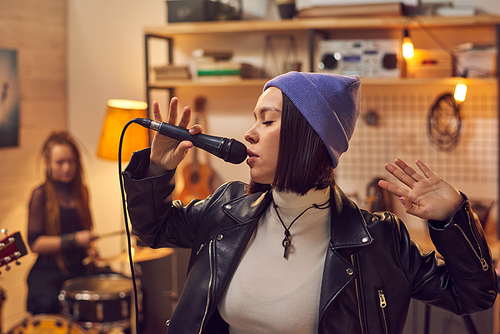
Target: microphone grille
column 237, row 152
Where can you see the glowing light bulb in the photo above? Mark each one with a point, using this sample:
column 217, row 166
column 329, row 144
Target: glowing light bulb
column 460, row 92
column 461, row 88
column 408, row 51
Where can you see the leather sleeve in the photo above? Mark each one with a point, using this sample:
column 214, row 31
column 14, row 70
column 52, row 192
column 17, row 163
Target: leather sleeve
column 149, row 200
column 156, row 218
column 462, row 278
column 468, row 259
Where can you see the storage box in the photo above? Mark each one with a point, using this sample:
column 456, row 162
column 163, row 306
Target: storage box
column 255, row 9
column 479, row 60
column 201, row 10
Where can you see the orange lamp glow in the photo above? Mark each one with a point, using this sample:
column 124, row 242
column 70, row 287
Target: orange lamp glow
column 119, row 113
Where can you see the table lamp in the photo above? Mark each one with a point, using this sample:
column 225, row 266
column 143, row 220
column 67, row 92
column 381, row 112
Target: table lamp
column 136, row 137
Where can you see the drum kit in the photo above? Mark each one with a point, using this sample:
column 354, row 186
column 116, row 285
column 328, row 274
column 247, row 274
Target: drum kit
column 96, row 304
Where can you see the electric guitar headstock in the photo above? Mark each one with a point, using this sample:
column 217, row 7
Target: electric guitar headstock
column 12, row 247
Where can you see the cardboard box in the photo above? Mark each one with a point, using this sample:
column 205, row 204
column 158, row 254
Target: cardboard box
column 479, row 60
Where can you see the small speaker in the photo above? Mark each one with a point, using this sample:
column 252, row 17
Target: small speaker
column 365, row 58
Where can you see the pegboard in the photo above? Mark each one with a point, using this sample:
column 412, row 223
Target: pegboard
column 401, row 131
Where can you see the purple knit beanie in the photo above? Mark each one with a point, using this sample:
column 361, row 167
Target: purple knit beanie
column 329, row 102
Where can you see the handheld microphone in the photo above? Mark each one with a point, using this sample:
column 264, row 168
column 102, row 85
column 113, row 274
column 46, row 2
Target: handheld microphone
column 230, row 150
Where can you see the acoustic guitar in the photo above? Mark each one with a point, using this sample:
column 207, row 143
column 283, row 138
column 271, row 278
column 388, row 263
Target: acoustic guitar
column 197, row 176
column 12, row 247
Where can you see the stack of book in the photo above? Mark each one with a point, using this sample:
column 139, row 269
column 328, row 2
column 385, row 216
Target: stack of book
column 171, row 72
column 217, row 65
column 223, row 70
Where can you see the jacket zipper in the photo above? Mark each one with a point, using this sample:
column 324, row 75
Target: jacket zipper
column 210, row 284
column 383, row 305
column 484, row 264
column 199, row 250
column 358, row 296
column 480, row 256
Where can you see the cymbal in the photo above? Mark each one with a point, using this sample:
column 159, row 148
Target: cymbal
column 141, row 254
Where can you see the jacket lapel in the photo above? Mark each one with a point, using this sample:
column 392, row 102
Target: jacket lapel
column 348, row 226
column 232, row 241
column 348, row 230
column 208, row 278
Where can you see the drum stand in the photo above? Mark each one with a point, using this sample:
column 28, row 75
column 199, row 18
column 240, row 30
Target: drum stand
column 116, row 330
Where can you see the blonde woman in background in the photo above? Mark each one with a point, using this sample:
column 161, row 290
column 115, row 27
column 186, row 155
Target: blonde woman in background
column 59, row 225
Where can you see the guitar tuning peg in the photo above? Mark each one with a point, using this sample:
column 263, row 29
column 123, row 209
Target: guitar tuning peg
column 18, row 262
column 7, row 260
column 4, row 231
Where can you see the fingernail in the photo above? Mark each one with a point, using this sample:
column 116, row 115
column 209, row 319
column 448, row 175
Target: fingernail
column 191, row 131
column 402, row 201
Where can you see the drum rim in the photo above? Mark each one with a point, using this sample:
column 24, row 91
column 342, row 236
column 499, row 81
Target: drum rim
column 41, row 316
column 91, row 295
column 104, row 325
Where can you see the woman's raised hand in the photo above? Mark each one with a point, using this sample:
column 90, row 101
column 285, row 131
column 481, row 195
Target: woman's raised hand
column 427, row 196
column 167, row 153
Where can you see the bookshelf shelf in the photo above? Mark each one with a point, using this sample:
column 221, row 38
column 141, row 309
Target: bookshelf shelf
column 470, row 27
column 166, row 84
column 172, row 30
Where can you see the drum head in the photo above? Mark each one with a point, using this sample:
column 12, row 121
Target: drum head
column 47, row 324
column 101, row 287
column 99, row 301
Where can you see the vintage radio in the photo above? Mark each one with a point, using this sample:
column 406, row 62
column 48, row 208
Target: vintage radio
column 366, row 58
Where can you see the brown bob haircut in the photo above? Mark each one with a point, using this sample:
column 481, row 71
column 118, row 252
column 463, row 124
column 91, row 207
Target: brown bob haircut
column 303, row 161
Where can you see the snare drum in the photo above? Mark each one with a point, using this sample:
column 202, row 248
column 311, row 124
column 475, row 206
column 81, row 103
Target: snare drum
column 47, row 323
column 99, row 301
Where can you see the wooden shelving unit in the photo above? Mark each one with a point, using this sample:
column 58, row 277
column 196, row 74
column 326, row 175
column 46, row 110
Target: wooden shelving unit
column 168, row 84
column 313, row 27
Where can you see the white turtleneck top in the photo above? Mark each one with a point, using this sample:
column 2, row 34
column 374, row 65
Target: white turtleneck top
column 271, row 294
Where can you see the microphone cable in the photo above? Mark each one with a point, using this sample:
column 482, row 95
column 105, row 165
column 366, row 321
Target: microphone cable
column 125, row 216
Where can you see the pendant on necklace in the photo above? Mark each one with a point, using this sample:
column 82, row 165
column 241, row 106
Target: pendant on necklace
column 286, row 243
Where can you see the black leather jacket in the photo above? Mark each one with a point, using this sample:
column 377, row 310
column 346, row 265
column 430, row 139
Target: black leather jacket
column 372, row 267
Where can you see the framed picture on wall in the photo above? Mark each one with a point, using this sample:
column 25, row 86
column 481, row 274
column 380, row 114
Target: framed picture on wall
column 9, row 99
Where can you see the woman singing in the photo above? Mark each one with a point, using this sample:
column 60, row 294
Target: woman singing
column 290, row 252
